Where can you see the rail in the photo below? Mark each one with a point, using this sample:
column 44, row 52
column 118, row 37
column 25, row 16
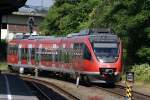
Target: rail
column 117, row 89
column 120, row 90
column 49, row 85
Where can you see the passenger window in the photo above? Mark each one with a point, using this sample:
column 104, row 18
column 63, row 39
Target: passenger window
column 24, row 53
column 33, row 53
column 87, row 54
column 12, row 49
column 36, row 54
column 76, row 46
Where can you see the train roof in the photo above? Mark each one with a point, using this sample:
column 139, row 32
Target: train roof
column 93, row 32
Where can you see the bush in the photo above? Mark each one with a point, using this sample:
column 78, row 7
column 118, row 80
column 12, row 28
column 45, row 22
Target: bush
column 142, row 72
column 144, row 55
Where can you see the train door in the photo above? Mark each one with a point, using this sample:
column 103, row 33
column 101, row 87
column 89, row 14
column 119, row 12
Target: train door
column 19, row 53
column 29, row 53
column 39, row 54
column 87, row 58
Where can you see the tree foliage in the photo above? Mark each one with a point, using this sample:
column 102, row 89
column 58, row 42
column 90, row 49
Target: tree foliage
column 130, row 19
column 68, row 16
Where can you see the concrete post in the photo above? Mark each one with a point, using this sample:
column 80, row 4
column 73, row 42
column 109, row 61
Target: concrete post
column 77, row 78
column 21, row 70
column 36, row 72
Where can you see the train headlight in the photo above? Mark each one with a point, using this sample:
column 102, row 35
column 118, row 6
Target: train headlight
column 107, row 70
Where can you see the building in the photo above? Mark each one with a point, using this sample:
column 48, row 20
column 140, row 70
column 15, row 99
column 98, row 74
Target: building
column 18, row 22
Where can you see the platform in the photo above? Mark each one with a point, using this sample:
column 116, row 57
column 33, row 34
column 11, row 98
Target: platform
column 13, row 88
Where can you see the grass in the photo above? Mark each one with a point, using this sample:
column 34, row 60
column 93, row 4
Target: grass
column 3, row 66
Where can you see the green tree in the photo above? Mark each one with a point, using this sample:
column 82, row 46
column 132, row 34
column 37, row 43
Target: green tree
column 67, row 16
column 130, row 20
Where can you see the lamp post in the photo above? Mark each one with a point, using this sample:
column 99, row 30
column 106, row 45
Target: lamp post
column 30, row 24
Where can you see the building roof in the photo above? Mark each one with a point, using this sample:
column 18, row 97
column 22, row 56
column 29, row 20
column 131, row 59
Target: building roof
column 8, row 6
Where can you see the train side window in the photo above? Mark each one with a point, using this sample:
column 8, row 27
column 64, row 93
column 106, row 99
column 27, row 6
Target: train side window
column 33, row 53
column 50, row 57
column 24, row 53
column 86, row 54
column 16, row 49
column 12, row 49
column 9, row 49
column 36, row 54
column 43, row 55
column 76, row 46
column 56, row 59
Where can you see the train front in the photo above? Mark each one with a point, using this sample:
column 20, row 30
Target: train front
column 107, row 49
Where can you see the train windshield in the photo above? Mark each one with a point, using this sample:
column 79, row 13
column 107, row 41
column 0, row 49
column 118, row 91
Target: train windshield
column 106, row 52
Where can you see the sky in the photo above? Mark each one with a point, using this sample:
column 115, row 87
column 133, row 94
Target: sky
column 45, row 3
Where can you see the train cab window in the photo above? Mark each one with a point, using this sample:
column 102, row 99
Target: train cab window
column 86, row 54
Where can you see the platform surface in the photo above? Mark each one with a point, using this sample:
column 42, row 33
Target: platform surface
column 13, row 88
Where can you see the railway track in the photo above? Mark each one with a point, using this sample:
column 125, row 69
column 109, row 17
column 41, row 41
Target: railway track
column 38, row 84
column 120, row 91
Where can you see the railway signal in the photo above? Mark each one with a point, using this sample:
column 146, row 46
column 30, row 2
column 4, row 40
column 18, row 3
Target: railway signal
column 129, row 85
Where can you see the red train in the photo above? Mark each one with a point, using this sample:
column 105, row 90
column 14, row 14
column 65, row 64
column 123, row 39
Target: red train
column 96, row 54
